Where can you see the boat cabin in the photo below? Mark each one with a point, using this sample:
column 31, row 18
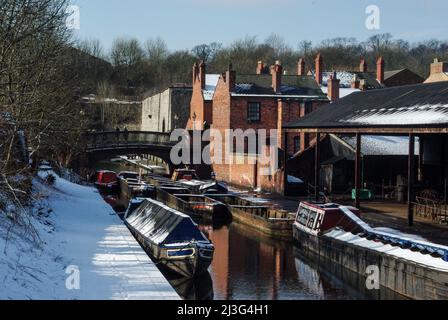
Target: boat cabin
column 129, row 175
column 105, row 177
column 316, row 219
column 185, row 174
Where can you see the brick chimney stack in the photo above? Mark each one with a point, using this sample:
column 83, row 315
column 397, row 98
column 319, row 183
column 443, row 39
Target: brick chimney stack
column 438, row 67
column 363, row 66
column 195, row 72
column 230, row 78
column 202, row 72
column 439, row 71
column 355, row 82
column 260, row 67
column 319, row 69
column 380, row 70
column 301, row 67
column 277, row 72
column 333, row 87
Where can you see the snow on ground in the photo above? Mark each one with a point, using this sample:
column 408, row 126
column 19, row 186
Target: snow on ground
column 76, row 228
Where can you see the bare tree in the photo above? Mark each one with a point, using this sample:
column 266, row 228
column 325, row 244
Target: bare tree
column 35, row 90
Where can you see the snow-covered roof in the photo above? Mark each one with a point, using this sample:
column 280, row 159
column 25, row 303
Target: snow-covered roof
column 343, row 92
column 412, row 115
column 346, row 78
column 423, row 105
column 382, row 145
column 211, row 81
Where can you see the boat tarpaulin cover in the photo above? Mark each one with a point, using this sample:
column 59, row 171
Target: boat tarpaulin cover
column 163, row 225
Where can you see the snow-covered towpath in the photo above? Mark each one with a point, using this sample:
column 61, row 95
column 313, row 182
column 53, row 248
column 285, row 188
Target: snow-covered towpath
column 87, row 236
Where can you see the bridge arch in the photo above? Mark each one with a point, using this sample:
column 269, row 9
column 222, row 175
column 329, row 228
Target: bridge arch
column 109, row 144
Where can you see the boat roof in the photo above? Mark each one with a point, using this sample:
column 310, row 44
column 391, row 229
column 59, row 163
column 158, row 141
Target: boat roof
column 325, row 206
column 163, row 225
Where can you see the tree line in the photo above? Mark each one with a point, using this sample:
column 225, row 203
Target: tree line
column 137, row 67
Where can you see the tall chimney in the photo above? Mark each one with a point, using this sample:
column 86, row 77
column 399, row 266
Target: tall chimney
column 438, row 67
column 380, row 70
column 363, row 66
column 195, row 72
column 230, row 78
column 333, row 87
column 202, row 71
column 319, row 69
column 301, row 67
column 260, row 67
column 277, row 76
column 355, row 82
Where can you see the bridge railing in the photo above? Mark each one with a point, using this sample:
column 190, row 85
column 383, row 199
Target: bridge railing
column 114, row 139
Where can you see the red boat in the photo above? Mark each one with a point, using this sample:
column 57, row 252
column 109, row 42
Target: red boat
column 106, row 181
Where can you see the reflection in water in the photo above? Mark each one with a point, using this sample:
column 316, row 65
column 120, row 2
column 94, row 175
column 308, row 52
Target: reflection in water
column 250, row 266
column 200, row 288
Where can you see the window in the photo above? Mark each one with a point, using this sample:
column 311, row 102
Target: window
column 297, row 144
column 254, row 112
column 302, row 216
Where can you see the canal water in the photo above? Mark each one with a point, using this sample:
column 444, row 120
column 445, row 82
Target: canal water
column 250, row 266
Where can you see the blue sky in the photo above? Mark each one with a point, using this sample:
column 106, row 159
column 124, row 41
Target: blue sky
column 185, row 23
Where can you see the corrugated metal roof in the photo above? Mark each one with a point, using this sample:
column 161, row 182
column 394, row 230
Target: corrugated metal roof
column 405, row 106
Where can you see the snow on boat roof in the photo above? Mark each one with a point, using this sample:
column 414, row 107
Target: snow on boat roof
column 162, row 224
column 417, row 257
column 211, row 81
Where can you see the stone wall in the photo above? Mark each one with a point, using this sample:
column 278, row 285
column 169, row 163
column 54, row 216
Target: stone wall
column 166, row 111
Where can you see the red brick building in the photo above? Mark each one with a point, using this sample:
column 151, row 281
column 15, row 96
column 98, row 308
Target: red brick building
column 267, row 100
column 202, row 99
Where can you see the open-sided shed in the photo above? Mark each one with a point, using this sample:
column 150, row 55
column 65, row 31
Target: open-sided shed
column 415, row 110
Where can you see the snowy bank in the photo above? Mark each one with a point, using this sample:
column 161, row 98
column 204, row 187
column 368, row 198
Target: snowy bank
column 78, row 231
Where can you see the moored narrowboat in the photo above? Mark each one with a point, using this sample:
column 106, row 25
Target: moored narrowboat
column 171, row 238
column 106, row 181
column 406, row 264
column 270, row 221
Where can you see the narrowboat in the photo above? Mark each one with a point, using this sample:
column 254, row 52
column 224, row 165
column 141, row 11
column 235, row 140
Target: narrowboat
column 271, row 222
column 171, row 238
column 406, row 264
column 196, row 206
column 106, row 181
column 133, row 188
column 190, row 179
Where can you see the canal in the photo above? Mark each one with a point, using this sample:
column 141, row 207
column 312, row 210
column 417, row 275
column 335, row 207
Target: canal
column 250, row 266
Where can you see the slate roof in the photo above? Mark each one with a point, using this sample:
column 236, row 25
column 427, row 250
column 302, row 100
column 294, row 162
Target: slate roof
column 389, row 74
column 406, row 106
column 293, row 86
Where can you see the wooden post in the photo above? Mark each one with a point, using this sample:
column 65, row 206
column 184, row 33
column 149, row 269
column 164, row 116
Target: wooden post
column 317, row 167
column 358, row 171
column 411, row 179
column 285, row 162
column 256, row 161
